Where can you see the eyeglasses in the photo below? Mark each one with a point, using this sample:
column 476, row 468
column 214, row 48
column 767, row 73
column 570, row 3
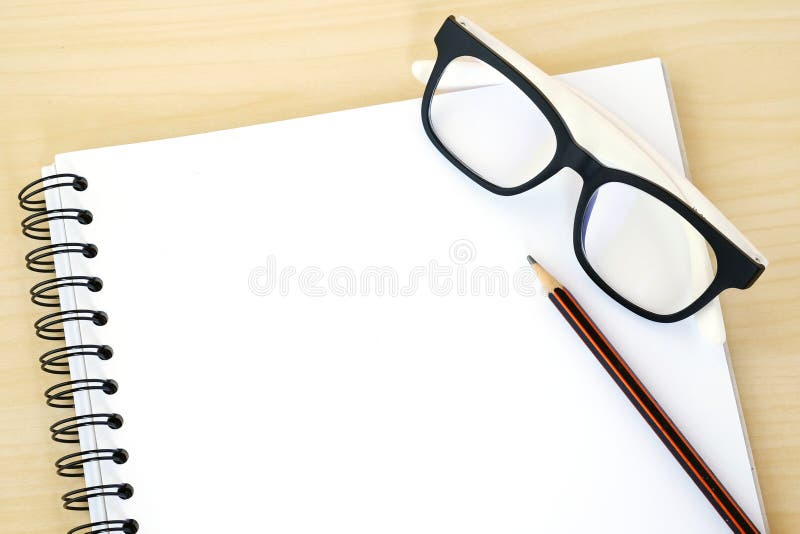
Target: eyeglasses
column 642, row 231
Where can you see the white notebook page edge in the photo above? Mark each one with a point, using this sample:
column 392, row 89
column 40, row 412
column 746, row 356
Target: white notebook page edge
column 711, row 318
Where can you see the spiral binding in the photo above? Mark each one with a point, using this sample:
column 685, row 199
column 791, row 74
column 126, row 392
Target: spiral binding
column 56, row 361
column 61, row 395
column 51, row 326
column 36, row 260
column 71, row 465
column 46, row 293
column 126, row 526
column 79, row 499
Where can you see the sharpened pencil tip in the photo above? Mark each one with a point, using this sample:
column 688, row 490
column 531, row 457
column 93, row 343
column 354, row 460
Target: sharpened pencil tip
column 545, row 279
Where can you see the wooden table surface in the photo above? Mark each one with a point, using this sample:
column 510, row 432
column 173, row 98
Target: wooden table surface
column 82, row 74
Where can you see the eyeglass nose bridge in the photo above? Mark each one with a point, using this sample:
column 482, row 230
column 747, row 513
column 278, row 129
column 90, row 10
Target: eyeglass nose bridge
column 581, row 162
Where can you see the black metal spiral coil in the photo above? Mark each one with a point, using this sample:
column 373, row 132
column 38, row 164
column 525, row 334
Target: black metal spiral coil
column 45, row 293
column 71, row 465
column 56, row 361
column 66, row 430
column 125, row 526
column 62, row 395
column 42, row 259
column 27, row 197
column 37, row 225
column 51, row 326
column 79, row 499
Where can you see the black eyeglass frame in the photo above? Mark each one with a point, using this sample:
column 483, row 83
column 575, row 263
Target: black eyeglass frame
column 735, row 269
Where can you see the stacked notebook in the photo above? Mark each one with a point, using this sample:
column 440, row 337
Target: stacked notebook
column 320, row 325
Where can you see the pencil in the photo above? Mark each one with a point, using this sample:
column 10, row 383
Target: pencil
column 645, row 404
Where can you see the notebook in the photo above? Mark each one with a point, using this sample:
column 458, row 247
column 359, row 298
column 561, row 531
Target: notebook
column 320, row 325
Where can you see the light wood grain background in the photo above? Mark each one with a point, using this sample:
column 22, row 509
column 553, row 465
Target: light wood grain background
column 89, row 73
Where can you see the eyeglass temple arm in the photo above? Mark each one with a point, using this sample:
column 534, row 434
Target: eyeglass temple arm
column 464, row 73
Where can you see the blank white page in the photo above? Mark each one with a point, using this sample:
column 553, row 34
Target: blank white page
column 320, row 325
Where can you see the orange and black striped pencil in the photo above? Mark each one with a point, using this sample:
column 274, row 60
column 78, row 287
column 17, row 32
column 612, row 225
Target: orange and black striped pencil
column 644, row 403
